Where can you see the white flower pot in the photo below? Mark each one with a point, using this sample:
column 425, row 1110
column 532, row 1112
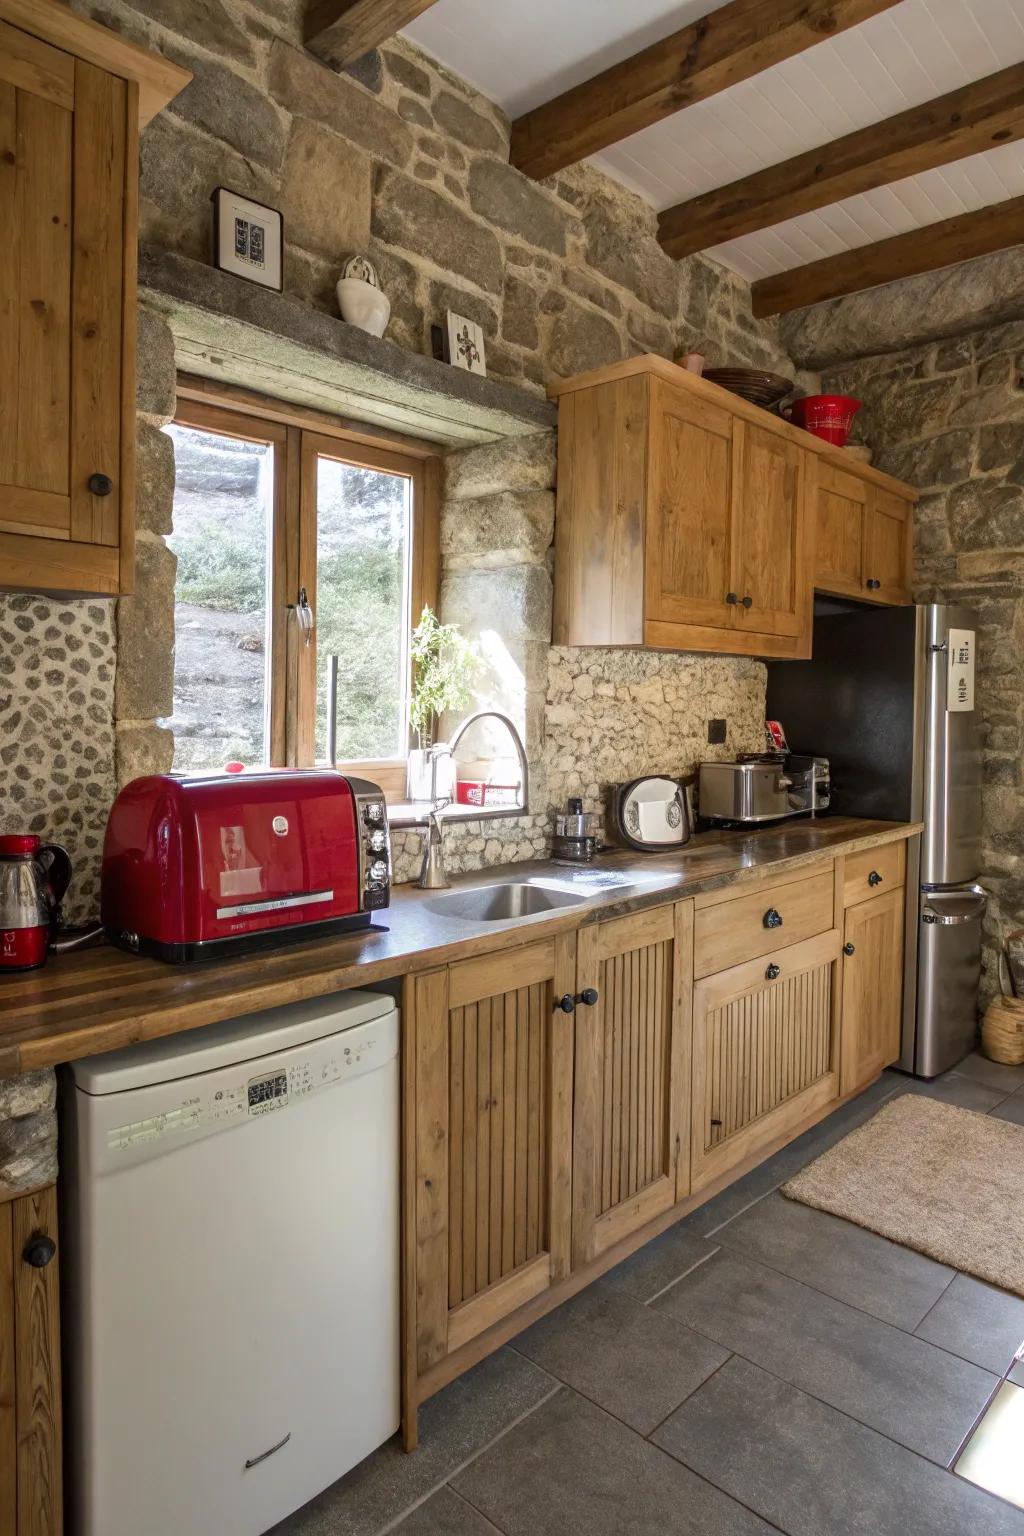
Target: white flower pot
column 363, row 305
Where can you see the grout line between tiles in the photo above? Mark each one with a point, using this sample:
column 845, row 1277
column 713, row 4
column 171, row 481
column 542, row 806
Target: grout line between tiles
column 695, row 1265
column 477, row 1511
column 454, row 1472
column 686, row 1399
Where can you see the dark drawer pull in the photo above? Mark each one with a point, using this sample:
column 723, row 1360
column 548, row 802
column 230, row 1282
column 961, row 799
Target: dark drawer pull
column 100, row 485
column 731, row 597
column 849, row 949
column 39, row 1250
column 567, row 1003
column 588, row 997
column 772, row 919
column 874, row 878
column 773, row 971
column 873, row 585
column 748, row 602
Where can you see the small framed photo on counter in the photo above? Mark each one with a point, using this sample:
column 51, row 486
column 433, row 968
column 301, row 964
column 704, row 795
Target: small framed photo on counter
column 248, row 238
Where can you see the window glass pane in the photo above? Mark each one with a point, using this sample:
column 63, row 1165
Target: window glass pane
column 223, row 508
column 363, row 533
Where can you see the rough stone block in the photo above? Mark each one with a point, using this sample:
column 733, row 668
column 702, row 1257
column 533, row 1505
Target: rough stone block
column 207, row 22
column 986, row 515
column 510, row 528
column 143, row 748
column 224, row 104
column 513, row 603
column 156, row 387
column 145, row 636
column 443, row 296
column 407, row 73
column 636, row 264
column 504, row 196
column 519, row 314
column 309, row 89
column 511, row 464
column 470, row 127
column 154, row 479
column 326, row 191
column 581, row 338
column 420, row 220
column 179, row 169
column 28, row 1131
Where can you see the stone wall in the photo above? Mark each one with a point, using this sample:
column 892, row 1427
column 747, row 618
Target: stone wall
column 401, row 159
column 948, row 417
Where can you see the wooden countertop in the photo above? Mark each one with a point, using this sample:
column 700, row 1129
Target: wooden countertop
column 100, row 999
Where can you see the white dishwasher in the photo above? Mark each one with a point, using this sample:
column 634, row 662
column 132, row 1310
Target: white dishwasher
column 231, row 1269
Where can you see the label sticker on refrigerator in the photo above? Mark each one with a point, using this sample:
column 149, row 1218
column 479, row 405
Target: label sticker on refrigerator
column 960, row 684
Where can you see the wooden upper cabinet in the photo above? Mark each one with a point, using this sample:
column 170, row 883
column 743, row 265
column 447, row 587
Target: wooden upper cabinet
column 68, row 229
column 865, row 537
column 684, row 517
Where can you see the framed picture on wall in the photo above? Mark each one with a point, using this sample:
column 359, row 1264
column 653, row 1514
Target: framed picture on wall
column 465, row 344
column 248, row 238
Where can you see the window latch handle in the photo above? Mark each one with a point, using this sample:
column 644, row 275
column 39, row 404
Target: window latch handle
column 304, row 615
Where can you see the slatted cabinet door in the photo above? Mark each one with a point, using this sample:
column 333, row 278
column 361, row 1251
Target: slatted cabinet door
column 765, row 1052
column 631, row 1097
column 493, row 1096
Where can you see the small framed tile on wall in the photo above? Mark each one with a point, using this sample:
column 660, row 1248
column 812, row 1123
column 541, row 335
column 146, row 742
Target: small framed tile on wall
column 465, row 344
column 248, row 238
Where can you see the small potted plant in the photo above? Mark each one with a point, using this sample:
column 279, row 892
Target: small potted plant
column 444, row 666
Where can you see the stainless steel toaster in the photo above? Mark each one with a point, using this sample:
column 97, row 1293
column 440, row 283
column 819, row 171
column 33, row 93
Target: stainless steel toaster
column 764, row 787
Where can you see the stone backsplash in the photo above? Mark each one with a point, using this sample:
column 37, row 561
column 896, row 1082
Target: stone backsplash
column 57, row 663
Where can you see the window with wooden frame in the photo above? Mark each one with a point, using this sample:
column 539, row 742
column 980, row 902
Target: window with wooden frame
column 307, row 549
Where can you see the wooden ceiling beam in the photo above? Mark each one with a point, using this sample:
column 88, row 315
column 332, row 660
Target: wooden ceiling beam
column 965, row 122
column 730, row 45
column 343, row 30
column 995, row 228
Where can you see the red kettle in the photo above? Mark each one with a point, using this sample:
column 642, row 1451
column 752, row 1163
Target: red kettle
column 33, row 879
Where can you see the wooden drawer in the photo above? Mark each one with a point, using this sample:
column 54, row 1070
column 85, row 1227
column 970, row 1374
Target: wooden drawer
column 729, row 932
column 874, row 872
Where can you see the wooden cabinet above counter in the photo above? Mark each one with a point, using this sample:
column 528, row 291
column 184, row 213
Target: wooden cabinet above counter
column 72, row 98
column 689, row 519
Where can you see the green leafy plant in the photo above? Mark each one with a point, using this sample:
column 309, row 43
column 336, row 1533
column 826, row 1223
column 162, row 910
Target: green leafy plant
column 444, row 666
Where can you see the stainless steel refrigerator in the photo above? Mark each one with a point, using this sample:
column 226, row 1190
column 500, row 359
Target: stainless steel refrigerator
column 889, row 699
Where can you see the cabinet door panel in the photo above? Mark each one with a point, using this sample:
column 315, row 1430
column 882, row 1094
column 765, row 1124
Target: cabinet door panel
column 493, row 1146
column 632, row 1058
column 840, row 543
column 886, row 547
column 769, row 532
column 872, row 988
column 764, row 1052
column 35, row 312
column 689, row 543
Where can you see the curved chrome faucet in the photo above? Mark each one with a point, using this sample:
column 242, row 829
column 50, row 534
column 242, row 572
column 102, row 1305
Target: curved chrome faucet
column 433, row 875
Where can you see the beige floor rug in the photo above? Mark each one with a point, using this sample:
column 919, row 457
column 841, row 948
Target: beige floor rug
column 946, row 1181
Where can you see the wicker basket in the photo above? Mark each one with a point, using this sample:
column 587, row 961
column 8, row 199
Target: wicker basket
column 1002, row 1031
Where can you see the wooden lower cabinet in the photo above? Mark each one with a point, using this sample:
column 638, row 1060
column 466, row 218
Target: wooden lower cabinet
column 765, row 1051
column 630, row 1130
column 493, row 1062
column 31, row 1502
column 872, row 988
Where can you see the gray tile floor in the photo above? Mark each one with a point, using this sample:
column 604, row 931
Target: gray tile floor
column 760, row 1367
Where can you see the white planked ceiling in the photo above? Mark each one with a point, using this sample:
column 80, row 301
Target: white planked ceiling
column 523, row 53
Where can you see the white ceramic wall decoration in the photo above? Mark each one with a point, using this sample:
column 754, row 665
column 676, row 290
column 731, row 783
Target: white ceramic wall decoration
column 360, row 299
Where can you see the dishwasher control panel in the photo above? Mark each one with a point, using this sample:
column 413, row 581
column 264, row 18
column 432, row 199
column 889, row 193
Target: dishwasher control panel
column 214, row 1100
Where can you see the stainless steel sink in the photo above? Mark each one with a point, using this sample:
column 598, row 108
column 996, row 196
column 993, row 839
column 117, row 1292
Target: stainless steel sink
column 500, row 903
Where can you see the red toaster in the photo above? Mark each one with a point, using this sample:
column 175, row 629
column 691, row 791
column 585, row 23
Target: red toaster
column 216, row 864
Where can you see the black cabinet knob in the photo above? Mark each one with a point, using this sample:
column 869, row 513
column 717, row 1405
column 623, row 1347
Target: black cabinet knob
column 588, row 997
column 873, row 585
column 773, row 971
column 39, row 1250
column 101, row 485
column 849, row 949
column 874, row 878
column 567, row 1003
column 772, row 919
column 731, row 597
column 748, row 602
